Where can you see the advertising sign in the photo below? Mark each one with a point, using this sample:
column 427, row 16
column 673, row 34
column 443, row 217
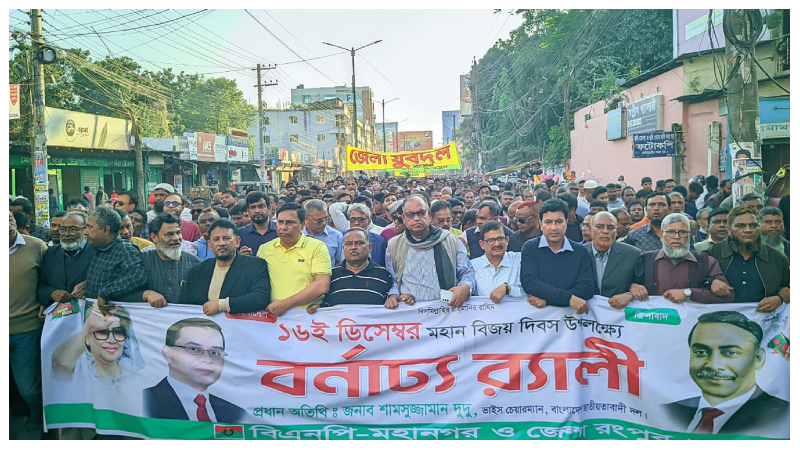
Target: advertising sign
column 644, row 115
column 422, row 372
column 182, row 147
column 220, row 149
column 414, row 140
column 75, row 129
column 615, row 124
column 465, row 94
column 449, row 120
column 442, row 158
column 178, row 183
column 191, row 140
column 205, row 147
column 13, row 101
column 391, row 136
column 654, row 145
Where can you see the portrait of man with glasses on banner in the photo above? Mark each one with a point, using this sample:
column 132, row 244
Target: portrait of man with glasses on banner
column 195, row 353
column 105, row 348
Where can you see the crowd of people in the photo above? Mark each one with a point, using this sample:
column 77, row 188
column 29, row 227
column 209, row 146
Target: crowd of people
column 387, row 241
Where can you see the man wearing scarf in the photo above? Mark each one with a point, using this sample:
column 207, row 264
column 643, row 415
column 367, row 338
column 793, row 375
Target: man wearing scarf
column 426, row 259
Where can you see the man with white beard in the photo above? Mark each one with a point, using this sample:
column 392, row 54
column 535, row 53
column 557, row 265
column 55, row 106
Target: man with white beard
column 168, row 267
column 679, row 274
column 65, row 264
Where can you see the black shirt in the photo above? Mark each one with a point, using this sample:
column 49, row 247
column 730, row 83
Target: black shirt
column 517, row 240
column 574, row 229
column 744, row 278
column 368, row 287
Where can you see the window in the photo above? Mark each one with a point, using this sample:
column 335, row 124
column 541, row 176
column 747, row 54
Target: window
column 349, row 97
column 264, row 121
column 321, row 137
column 320, row 118
column 293, row 138
column 266, row 139
column 340, row 120
column 292, row 119
column 306, row 99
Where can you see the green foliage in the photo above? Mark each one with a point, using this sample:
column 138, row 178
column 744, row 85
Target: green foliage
column 556, row 62
column 164, row 104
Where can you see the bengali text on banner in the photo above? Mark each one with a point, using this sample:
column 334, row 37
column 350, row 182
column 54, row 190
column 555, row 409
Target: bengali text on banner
column 482, row 371
column 442, row 158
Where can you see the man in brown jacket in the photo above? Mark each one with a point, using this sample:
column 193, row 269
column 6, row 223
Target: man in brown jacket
column 25, row 255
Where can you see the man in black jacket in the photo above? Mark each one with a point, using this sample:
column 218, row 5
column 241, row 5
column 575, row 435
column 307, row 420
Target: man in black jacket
column 230, row 282
column 64, row 265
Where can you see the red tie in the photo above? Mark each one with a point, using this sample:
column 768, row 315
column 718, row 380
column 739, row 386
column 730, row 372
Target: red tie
column 202, row 412
column 706, row 425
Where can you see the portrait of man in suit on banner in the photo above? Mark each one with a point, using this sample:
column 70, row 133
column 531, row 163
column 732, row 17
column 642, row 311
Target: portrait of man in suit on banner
column 724, row 354
column 195, row 353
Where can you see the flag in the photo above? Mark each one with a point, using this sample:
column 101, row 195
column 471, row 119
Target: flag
column 228, row 432
column 779, row 344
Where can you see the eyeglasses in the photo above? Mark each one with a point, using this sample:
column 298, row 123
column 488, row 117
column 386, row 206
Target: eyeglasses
column 121, row 203
column 119, row 334
column 522, row 220
column 171, row 204
column 197, row 351
column 420, row 214
column 359, row 219
column 445, row 220
column 320, row 221
column 674, row 233
column 70, row 230
column 492, row 241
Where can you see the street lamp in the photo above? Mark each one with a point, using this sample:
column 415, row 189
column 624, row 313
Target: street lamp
column 383, row 108
column 353, row 51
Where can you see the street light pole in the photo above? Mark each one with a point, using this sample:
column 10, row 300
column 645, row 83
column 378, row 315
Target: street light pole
column 383, row 108
column 353, row 51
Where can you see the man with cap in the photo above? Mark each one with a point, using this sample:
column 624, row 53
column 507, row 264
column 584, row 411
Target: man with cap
column 588, row 191
column 159, row 195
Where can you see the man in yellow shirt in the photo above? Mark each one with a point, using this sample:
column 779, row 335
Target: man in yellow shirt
column 300, row 265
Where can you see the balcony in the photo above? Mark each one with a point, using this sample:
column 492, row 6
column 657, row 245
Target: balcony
column 782, row 49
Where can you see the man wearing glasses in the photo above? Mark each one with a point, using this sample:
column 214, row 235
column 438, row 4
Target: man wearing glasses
column 64, row 266
column 195, row 353
column 173, row 204
column 497, row 271
column 127, row 201
column 527, row 217
column 619, row 267
column 428, row 260
column 317, row 227
column 198, row 205
column 679, row 274
column 359, row 215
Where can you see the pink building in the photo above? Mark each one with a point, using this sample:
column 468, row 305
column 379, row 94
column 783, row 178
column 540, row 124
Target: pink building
column 604, row 160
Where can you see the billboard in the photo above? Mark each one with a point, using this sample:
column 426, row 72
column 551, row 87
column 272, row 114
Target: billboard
column 450, row 119
column 76, row 129
column 690, row 31
column 237, row 145
column 465, row 94
column 414, row 140
column 391, row 136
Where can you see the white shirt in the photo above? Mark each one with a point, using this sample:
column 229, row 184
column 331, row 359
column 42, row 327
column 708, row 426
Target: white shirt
column 729, row 408
column 17, row 243
column 187, row 394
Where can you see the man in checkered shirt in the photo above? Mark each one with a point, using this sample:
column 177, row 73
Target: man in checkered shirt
column 116, row 272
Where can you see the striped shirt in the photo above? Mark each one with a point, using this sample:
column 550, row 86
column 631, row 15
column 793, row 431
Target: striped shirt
column 369, row 287
column 166, row 277
column 419, row 275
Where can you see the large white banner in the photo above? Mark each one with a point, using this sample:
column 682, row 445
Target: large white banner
column 655, row 370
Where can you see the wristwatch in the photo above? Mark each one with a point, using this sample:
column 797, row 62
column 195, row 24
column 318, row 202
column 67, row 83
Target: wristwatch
column 688, row 293
column 508, row 288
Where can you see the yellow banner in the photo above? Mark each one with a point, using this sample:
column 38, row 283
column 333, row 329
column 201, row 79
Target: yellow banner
column 424, row 160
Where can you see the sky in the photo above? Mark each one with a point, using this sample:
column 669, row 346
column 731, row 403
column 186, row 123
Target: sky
column 419, row 60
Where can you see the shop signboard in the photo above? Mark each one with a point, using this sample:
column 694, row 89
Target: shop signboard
column 205, row 147
column 615, row 124
column 450, row 119
column 220, row 149
column 81, row 130
column 182, row 147
column 415, row 140
column 645, row 115
column 13, row 101
column 653, row 145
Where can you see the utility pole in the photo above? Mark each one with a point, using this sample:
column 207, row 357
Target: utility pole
column 138, row 158
column 383, row 108
column 261, row 153
column 353, row 51
column 39, row 141
column 742, row 90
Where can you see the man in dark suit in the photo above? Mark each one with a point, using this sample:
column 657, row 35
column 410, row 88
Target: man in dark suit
column 230, row 282
column 725, row 353
column 64, row 266
column 195, row 353
column 618, row 267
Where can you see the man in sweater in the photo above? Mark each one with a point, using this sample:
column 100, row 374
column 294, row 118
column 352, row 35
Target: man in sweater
column 555, row 270
column 25, row 254
column 65, row 264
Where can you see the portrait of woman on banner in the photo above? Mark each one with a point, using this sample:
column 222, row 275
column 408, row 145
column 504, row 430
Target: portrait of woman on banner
column 106, row 348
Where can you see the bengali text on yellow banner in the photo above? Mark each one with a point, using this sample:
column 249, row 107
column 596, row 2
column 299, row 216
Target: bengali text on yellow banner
column 436, row 159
